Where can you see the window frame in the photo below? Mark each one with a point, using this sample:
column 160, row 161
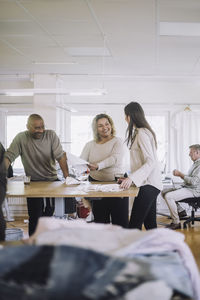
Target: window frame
column 166, row 114
column 17, row 171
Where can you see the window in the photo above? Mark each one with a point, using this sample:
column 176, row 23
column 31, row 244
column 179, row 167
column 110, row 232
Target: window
column 81, row 132
column 15, row 124
column 158, row 124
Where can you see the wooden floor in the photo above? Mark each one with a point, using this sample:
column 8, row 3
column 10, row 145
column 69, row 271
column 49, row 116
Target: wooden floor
column 192, row 234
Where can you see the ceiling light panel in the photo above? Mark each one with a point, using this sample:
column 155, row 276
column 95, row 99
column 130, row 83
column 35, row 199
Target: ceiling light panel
column 58, row 91
column 179, row 29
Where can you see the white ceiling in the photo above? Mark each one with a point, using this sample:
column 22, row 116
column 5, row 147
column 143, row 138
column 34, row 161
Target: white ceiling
column 114, row 44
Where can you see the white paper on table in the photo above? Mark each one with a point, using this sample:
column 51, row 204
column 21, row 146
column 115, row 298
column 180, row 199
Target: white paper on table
column 115, row 187
column 100, row 187
column 71, row 180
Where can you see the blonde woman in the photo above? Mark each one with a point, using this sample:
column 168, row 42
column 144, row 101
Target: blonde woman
column 105, row 154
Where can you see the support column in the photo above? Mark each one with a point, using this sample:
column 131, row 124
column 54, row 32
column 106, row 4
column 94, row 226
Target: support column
column 45, row 105
column 52, row 108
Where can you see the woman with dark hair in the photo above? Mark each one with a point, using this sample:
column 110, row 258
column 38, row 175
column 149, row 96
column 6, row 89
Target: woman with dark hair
column 2, row 192
column 145, row 172
column 105, row 154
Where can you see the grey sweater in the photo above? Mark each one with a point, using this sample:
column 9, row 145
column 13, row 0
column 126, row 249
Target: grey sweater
column 38, row 155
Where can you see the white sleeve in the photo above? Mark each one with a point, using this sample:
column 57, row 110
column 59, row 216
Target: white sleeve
column 141, row 174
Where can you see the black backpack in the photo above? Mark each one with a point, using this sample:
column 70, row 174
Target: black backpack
column 10, row 169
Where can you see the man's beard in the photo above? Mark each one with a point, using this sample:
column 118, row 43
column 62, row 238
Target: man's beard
column 37, row 135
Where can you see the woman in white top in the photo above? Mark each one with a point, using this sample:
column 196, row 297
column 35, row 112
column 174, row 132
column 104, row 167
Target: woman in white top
column 145, row 172
column 105, row 155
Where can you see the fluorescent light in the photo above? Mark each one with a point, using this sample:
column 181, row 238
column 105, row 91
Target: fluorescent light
column 32, row 92
column 17, row 94
column 54, row 63
column 98, row 92
column 7, row 77
column 179, row 29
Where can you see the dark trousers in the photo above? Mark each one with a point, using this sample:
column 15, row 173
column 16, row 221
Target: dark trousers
column 2, row 220
column 144, row 208
column 2, row 197
column 113, row 210
column 70, row 205
column 106, row 210
column 37, row 209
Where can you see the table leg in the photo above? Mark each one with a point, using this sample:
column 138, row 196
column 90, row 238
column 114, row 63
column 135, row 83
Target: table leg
column 59, row 208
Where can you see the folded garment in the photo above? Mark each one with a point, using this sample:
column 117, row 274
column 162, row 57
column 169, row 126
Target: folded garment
column 123, row 242
column 100, row 187
column 65, row 272
column 71, row 180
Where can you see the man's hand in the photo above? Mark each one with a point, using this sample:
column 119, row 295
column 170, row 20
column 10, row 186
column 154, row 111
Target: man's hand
column 126, row 183
column 93, row 167
column 178, row 173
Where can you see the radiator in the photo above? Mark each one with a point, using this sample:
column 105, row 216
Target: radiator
column 16, row 207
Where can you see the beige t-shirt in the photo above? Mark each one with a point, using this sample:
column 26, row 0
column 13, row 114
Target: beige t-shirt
column 38, row 155
column 108, row 156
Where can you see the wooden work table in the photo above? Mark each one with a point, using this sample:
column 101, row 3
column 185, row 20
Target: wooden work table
column 60, row 190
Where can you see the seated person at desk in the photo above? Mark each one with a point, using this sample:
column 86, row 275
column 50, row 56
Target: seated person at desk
column 105, row 155
column 190, row 187
column 38, row 148
column 2, row 192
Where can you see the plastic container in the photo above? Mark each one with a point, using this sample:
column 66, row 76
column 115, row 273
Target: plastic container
column 14, row 234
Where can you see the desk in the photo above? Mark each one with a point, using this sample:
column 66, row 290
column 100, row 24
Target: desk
column 59, row 190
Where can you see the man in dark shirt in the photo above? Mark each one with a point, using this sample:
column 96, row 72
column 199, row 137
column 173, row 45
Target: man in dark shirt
column 2, row 192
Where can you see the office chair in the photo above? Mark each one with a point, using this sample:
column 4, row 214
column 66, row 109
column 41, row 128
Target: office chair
column 195, row 204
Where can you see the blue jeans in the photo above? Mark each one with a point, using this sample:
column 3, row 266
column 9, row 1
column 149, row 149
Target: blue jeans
column 65, row 272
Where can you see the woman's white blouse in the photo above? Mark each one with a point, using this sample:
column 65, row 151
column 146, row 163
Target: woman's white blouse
column 144, row 162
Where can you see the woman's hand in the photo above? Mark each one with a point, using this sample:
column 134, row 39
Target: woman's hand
column 126, row 183
column 93, row 167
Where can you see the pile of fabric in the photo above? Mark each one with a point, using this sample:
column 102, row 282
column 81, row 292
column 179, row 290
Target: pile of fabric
column 161, row 256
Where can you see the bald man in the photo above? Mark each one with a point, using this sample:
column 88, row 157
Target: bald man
column 39, row 149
